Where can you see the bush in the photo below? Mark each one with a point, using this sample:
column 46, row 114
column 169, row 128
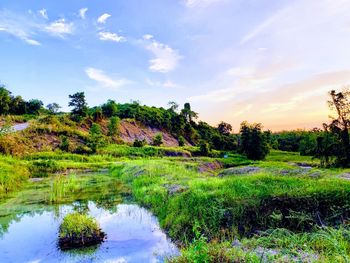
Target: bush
column 113, row 126
column 181, row 141
column 139, row 143
column 64, row 145
column 79, row 230
column 96, row 139
column 204, row 148
column 158, row 140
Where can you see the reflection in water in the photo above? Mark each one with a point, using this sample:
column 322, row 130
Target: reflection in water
column 133, row 235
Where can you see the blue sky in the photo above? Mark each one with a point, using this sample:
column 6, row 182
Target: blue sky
column 263, row 61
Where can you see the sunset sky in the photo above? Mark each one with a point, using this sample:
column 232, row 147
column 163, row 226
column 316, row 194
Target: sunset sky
column 269, row 61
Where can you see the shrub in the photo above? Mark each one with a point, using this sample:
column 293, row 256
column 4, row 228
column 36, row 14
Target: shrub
column 96, row 139
column 113, row 126
column 139, row 143
column 158, row 140
column 64, row 145
column 79, row 230
column 181, row 141
column 204, row 148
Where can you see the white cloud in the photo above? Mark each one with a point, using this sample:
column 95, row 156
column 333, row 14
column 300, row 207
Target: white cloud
column 60, row 28
column 147, row 37
column 82, row 12
column 104, row 80
column 165, row 58
column 32, row 42
column 18, row 26
column 103, row 18
column 43, row 13
column 108, row 36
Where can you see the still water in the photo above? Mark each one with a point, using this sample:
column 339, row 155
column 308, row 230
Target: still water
column 133, row 234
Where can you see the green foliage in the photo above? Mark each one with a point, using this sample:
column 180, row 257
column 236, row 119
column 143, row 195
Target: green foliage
column 181, row 141
column 96, row 138
column 78, row 102
column 339, row 127
column 224, row 128
column 16, row 105
column 139, row 143
column 77, row 225
column 158, row 140
column 253, row 143
column 204, row 148
column 113, row 126
column 110, row 108
column 34, row 106
column 13, row 174
column 64, row 145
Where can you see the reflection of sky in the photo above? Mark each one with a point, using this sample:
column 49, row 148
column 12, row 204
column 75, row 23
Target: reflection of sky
column 133, row 235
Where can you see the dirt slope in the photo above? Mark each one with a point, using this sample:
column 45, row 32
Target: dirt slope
column 130, row 130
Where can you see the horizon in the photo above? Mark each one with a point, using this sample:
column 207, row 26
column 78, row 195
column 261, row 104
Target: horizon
column 266, row 62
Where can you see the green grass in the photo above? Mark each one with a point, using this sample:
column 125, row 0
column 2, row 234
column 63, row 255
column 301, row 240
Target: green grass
column 79, row 226
column 281, row 156
column 285, row 203
column 252, row 199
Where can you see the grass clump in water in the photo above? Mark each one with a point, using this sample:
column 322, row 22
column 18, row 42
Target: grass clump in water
column 79, row 230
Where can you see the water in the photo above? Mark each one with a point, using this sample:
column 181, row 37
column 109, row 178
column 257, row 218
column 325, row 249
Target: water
column 20, row 127
column 133, row 233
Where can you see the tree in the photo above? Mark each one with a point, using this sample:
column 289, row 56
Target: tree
column 253, row 143
column 224, row 128
column 18, row 106
column 5, row 100
column 53, row 108
column 173, row 106
column 110, row 108
column 79, row 105
column 113, row 126
column 34, row 106
column 339, row 127
column 188, row 113
column 158, row 140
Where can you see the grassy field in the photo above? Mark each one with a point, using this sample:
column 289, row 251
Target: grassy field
column 283, row 209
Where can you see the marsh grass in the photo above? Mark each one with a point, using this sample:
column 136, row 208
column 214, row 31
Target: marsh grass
column 79, row 230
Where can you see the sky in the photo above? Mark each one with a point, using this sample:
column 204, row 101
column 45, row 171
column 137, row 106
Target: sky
column 268, row 61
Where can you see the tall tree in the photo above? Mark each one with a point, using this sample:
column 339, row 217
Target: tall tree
column 188, row 113
column 34, row 106
column 79, row 104
column 224, row 128
column 5, row 100
column 340, row 103
column 253, row 141
column 173, row 106
column 53, row 107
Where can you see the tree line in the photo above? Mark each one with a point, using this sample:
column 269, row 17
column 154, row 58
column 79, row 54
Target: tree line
column 330, row 144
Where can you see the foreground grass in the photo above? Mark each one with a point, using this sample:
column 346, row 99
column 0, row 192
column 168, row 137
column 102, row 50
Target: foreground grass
column 241, row 206
column 280, row 211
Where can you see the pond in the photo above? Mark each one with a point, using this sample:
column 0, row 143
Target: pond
column 29, row 228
